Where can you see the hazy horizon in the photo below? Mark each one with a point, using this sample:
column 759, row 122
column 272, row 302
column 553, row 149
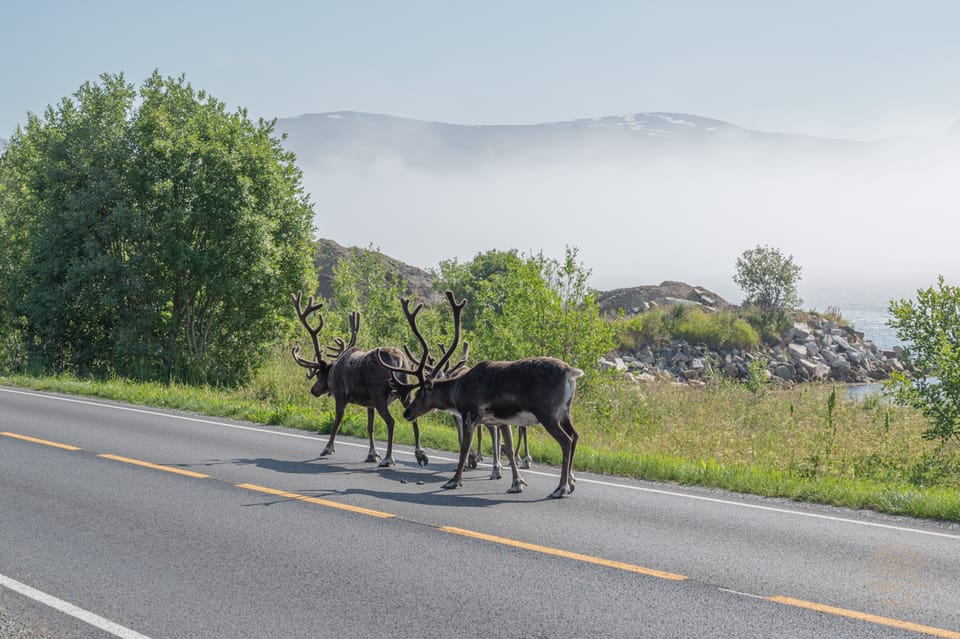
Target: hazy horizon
column 865, row 227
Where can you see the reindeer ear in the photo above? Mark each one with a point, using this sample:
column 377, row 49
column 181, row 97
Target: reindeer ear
column 428, row 384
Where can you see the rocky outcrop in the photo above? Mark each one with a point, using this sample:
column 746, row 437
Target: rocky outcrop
column 815, row 350
column 639, row 299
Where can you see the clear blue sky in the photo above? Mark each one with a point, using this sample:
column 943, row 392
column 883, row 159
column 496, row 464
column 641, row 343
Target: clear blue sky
column 860, row 69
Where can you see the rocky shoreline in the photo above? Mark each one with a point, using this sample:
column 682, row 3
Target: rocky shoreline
column 817, row 350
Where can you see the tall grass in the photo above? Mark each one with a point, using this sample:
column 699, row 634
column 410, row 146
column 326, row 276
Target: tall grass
column 796, row 442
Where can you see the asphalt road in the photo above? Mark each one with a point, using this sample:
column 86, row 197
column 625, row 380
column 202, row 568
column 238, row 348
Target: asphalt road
column 239, row 530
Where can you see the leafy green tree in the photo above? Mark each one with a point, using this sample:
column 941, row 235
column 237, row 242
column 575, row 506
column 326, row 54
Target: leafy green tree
column 481, row 280
column 930, row 326
column 526, row 306
column 152, row 233
column 769, row 280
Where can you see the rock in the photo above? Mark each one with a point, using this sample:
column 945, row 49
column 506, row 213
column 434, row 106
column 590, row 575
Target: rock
column 842, row 343
column 840, row 370
column 800, row 331
column 616, row 364
column 797, row 351
column 785, row 372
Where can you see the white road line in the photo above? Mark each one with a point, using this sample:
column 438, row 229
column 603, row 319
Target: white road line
column 85, row 616
column 610, row 484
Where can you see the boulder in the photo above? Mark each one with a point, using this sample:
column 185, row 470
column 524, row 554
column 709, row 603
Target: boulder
column 785, row 372
column 797, row 351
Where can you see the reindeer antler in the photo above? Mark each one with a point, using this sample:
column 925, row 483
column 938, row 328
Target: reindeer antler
column 339, row 346
column 422, row 361
column 354, row 319
column 314, row 366
column 457, row 310
column 463, row 361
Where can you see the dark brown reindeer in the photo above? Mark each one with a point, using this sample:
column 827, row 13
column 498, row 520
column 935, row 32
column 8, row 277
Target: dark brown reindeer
column 523, row 392
column 355, row 376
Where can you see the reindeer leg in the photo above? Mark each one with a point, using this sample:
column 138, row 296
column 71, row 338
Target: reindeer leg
column 526, row 461
column 388, row 459
column 574, row 436
column 474, row 458
column 372, row 454
column 566, row 445
column 518, row 483
column 418, row 452
column 338, row 410
column 497, row 471
column 469, row 424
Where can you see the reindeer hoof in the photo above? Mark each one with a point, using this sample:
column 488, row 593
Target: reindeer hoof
column 452, row 484
column 329, row 450
column 473, row 460
column 517, row 486
column 496, row 473
column 373, row 457
column 559, row 492
column 388, row 462
column 526, row 463
column 422, row 459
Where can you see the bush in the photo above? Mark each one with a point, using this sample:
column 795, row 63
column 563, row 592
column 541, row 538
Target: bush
column 928, row 325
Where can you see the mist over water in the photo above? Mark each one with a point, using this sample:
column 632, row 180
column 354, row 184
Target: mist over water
column 867, row 224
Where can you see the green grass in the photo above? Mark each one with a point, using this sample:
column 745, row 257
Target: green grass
column 778, row 443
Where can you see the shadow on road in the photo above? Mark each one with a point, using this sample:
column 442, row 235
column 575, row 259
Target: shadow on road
column 422, row 485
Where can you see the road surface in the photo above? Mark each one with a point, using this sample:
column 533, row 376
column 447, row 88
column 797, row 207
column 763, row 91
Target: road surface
column 125, row 521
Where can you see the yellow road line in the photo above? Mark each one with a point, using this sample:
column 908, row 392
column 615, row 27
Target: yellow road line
column 315, row 500
column 169, row 469
column 41, row 441
column 862, row 616
column 564, row 553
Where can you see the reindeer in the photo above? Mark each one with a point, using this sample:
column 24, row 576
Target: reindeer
column 523, row 392
column 355, row 376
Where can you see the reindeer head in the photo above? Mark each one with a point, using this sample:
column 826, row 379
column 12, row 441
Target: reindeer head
column 319, row 368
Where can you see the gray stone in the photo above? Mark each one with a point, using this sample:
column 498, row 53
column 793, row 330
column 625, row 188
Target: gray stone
column 797, row 351
column 785, row 372
column 616, row 364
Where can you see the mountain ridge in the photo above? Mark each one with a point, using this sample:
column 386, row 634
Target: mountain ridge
column 332, row 139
